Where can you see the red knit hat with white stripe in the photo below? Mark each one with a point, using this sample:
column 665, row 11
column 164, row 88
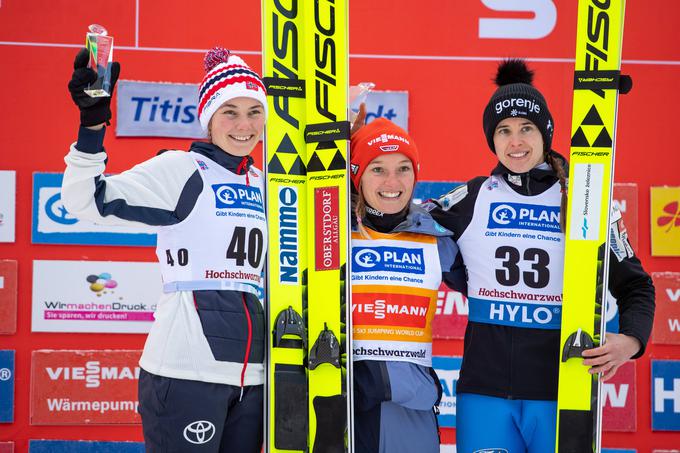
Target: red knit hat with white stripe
column 227, row 77
column 378, row 137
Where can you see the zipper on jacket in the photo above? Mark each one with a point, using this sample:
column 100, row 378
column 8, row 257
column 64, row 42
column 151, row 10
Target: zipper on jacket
column 528, row 184
column 250, row 338
column 243, row 167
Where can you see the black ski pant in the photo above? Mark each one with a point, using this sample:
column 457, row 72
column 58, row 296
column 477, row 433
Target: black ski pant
column 182, row 416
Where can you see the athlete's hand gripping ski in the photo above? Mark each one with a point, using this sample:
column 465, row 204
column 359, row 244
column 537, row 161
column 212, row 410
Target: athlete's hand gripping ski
column 607, row 359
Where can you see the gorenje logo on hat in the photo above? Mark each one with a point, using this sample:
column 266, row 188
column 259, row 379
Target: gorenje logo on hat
column 529, row 104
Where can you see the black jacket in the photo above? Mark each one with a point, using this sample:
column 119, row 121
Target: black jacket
column 520, row 363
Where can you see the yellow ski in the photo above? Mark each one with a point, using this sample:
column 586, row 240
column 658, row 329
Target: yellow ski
column 306, row 73
column 591, row 175
column 326, row 135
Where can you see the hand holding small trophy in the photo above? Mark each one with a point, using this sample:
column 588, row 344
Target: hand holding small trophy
column 100, row 46
column 94, row 79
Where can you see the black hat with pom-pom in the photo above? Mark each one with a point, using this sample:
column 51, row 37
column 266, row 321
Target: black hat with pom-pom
column 516, row 97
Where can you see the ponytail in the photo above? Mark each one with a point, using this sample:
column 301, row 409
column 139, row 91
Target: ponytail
column 359, row 204
column 557, row 166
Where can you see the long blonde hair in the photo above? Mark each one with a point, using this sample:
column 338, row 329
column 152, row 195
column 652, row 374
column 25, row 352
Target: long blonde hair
column 359, row 204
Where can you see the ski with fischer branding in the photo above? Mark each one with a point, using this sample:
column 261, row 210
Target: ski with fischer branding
column 586, row 261
column 308, row 386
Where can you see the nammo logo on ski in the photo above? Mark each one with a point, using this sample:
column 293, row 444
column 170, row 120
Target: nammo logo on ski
column 288, row 235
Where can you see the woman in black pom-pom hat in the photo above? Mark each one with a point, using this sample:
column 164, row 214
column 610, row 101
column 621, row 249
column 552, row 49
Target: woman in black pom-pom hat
column 202, row 370
column 509, row 227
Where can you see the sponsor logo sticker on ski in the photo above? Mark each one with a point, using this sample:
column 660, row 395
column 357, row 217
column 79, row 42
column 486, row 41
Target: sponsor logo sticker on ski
column 327, row 223
column 288, row 235
column 586, row 200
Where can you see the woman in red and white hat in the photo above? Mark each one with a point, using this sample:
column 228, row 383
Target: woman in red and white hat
column 202, row 371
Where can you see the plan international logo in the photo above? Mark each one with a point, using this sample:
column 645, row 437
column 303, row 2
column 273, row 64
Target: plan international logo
column 388, row 259
column 518, row 216
column 237, row 196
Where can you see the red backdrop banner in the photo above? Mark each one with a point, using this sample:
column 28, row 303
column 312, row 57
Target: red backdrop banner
column 84, row 387
column 442, row 52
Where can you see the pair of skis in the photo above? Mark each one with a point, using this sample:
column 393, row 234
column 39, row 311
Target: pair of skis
column 305, row 59
column 591, row 176
column 308, row 382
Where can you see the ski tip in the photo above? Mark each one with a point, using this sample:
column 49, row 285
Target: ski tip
column 513, row 70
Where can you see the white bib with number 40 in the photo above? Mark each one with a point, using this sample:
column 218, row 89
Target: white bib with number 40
column 222, row 243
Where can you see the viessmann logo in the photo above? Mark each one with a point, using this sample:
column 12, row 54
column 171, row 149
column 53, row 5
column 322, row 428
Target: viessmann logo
column 389, row 259
column 524, row 217
column 92, row 373
column 381, row 308
column 390, row 310
column 384, row 138
column 238, row 196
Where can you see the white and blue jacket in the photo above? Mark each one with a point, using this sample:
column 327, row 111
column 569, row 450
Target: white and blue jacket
column 209, row 335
